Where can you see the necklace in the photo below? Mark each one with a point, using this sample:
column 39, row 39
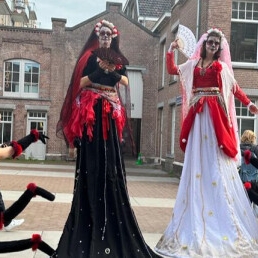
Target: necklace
column 204, row 69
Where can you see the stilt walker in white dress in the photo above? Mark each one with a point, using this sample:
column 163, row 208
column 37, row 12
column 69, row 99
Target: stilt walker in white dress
column 212, row 216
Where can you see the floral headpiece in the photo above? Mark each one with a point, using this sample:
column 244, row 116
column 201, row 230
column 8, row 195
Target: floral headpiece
column 216, row 30
column 106, row 24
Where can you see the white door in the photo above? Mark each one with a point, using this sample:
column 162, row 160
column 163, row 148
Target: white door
column 161, row 133
column 136, row 93
column 36, row 150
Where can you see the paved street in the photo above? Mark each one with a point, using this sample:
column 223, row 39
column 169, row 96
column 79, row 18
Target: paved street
column 152, row 194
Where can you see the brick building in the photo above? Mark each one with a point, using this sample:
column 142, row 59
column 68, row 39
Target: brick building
column 36, row 66
column 35, row 70
column 238, row 20
column 147, row 12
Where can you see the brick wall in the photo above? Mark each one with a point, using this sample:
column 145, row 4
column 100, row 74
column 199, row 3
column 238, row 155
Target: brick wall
column 57, row 50
column 212, row 14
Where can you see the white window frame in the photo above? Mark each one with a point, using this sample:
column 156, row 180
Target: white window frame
column 246, row 11
column 173, row 129
column 21, row 85
column 160, row 129
column 164, row 70
column 243, row 114
column 6, row 118
column 237, row 18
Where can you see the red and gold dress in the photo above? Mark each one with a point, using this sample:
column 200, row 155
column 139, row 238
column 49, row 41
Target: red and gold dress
column 212, row 216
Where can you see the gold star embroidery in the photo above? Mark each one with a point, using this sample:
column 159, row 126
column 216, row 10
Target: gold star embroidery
column 184, row 247
column 225, row 238
column 198, row 175
column 210, row 213
column 214, row 183
column 205, row 137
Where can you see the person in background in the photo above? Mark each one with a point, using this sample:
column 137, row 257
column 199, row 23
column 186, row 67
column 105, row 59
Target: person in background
column 248, row 172
column 212, row 215
column 101, row 222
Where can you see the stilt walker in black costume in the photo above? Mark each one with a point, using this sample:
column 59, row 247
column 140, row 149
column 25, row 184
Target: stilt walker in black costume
column 101, row 222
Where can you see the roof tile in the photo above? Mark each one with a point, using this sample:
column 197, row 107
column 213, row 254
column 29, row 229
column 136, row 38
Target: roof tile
column 153, row 8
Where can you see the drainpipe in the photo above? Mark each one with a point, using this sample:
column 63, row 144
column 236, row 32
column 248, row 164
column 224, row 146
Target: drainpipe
column 198, row 20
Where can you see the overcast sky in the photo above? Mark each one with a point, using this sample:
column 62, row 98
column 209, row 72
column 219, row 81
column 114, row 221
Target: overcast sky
column 74, row 11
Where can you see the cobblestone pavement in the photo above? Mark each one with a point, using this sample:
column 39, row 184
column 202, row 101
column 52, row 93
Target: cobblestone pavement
column 152, row 193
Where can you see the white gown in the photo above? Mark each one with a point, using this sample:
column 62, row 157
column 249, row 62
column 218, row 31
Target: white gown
column 212, row 216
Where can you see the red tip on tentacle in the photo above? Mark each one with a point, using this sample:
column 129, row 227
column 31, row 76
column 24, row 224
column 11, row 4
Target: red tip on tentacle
column 35, row 133
column 1, row 220
column 32, row 187
column 248, row 185
column 36, row 240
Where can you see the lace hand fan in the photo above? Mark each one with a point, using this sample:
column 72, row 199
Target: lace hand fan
column 111, row 56
column 186, row 41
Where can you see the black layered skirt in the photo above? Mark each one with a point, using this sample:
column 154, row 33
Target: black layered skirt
column 101, row 222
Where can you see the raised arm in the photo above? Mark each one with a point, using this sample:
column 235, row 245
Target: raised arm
column 171, row 66
column 239, row 94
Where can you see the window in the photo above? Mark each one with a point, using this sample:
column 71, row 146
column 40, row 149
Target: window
column 36, row 119
column 6, row 126
column 160, row 132
column 245, row 120
column 244, row 26
column 163, row 51
column 21, row 78
column 37, row 114
column 172, row 128
column 245, row 10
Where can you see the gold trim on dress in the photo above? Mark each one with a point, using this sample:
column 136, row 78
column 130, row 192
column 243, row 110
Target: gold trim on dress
column 206, row 91
column 101, row 87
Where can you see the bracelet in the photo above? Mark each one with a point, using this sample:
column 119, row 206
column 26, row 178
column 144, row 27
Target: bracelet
column 17, row 149
column 170, row 50
column 250, row 104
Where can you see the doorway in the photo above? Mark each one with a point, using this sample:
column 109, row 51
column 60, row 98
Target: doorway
column 38, row 121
